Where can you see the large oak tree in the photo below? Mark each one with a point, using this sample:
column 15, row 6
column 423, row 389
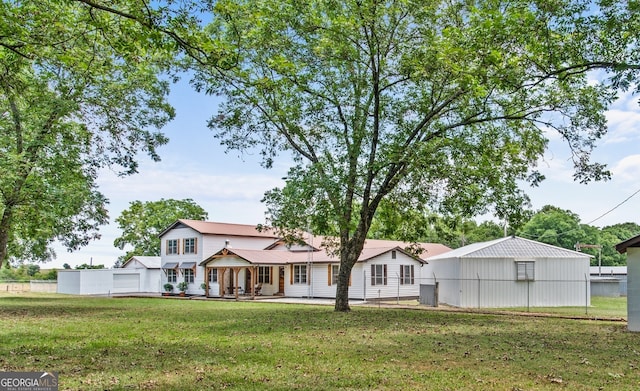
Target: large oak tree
column 79, row 91
column 436, row 103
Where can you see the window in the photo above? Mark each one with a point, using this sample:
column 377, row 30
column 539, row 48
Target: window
column 213, row 276
column 393, row 254
column 188, row 275
column 406, row 274
column 378, row 274
column 189, row 246
column 172, row 246
column 299, row 274
column 264, row 274
column 333, row 278
column 525, row 271
column 172, row 276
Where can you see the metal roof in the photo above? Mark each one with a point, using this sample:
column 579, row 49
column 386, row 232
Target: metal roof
column 227, row 229
column 170, row 265
column 272, row 257
column 146, row 261
column 510, row 247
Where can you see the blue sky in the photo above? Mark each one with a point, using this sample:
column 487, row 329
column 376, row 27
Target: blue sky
column 229, row 186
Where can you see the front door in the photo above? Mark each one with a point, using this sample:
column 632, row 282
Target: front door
column 281, row 280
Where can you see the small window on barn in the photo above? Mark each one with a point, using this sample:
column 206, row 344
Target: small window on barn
column 525, row 271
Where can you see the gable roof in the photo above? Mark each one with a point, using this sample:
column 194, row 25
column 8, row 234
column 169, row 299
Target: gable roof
column 428, row 249
column 146, row 261
column 215, row 228
column 623, row 246
column 270, row 257
column 510, row 247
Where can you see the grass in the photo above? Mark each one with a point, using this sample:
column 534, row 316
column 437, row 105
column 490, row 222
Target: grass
column 172, row 344
column 614, row 308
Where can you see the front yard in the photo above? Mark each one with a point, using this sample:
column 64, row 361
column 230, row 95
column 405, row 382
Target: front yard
column 156, row 344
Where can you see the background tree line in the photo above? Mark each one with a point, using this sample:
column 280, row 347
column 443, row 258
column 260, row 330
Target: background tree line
column 142, row 222
column 550, row 224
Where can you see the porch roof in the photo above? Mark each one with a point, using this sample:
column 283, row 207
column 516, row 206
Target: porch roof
column 281, row 257
column 270, row 257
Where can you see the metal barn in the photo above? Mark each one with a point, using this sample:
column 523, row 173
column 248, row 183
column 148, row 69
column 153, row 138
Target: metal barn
column 511, row 272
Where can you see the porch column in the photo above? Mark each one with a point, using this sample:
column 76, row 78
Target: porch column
column 236, row 271
column 221, row 274
column 207, row 270
column 254, row 278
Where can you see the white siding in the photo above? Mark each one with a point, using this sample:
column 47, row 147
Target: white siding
column 491, row 282
column 360, row 288
column 446, row 272
column 69, row 282
column 292, row 289
column 207, row 245
column 633, row 288
column 106, row 281
column 393, row 288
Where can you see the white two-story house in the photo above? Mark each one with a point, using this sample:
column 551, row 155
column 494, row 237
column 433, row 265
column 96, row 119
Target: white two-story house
column 233, row 260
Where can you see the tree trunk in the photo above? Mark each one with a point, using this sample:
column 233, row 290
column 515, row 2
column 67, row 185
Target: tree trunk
column 342, row 290
column 349, row 254
column 5, row 225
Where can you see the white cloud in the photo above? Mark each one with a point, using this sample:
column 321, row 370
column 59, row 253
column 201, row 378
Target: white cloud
column 624, row 126
column 627, row 168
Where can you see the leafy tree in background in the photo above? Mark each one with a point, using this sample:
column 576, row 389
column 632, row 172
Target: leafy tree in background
column 88, row 266
column 612, row 235
column 555, row 226
column 562, row 228
column 392, row 223
column 142, row 222
column 79, row 91
column 436, row 104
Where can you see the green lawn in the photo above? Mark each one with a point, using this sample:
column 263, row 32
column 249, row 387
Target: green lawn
column 172, row 344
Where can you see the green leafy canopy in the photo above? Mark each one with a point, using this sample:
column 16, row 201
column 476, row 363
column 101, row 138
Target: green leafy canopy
column 79, row 91
column 142, row 222
column 437, row 104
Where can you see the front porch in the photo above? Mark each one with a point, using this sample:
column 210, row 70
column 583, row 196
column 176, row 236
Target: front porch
column 237, row 274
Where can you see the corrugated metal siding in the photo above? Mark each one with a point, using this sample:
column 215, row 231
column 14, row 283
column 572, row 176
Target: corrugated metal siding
column 492, row 283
